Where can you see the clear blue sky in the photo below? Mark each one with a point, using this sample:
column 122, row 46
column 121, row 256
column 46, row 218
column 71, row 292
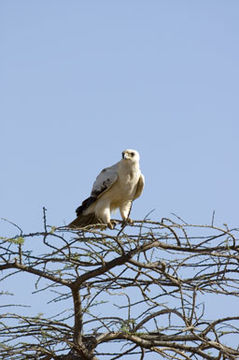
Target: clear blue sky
column 83, row 80
column 80, row 81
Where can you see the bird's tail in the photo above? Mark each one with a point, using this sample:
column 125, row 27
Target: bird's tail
column 84, row 220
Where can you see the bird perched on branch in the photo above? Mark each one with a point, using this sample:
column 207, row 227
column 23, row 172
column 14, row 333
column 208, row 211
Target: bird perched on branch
column 115, row 187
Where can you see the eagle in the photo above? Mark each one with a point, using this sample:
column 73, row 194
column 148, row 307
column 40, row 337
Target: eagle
column 115, row 187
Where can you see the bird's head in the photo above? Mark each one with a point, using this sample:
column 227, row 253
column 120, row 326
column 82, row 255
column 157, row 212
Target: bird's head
column 131, row 155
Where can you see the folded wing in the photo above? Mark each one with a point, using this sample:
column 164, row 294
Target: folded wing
column 140, row 187
column 103, row 182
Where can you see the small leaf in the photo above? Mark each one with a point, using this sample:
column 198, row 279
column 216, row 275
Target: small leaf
column 53, row 229
column 19, row 240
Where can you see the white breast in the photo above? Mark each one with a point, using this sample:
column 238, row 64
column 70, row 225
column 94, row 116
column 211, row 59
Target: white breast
column 128, row 177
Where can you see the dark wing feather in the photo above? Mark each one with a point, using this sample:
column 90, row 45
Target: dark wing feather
column 103, row 182
column 85, row 204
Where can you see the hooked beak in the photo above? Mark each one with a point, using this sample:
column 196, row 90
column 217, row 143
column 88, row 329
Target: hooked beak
column 124, row 155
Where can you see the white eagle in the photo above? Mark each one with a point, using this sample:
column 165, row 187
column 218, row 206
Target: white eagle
column 115, row 187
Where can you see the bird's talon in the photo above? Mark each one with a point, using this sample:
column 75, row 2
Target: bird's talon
column 127, row 222
column 102, row 227
column 112, row 224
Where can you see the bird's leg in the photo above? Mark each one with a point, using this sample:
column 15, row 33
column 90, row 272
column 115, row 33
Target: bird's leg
column 125, row 212
column 102, row 211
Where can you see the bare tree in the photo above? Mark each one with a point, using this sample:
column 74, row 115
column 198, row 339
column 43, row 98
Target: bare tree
column 148, row 289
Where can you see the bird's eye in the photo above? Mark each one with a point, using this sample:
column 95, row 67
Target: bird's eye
column 132, row 154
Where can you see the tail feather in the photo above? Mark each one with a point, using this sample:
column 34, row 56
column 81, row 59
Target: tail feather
column 86, row 203
column 84, row 220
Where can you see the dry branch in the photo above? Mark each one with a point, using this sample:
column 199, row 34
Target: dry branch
column 156, row 277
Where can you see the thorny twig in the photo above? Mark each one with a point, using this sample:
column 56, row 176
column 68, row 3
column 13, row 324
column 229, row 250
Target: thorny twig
column 166, row 272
